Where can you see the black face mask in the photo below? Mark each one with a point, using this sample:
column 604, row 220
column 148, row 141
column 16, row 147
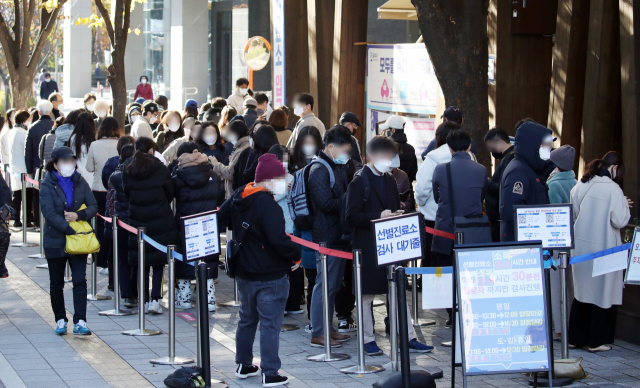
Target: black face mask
column 497, row 155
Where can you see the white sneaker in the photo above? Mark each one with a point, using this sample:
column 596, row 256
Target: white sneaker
column 154, row 307
column 212, row 307
column 104, row 271
column 146, row 307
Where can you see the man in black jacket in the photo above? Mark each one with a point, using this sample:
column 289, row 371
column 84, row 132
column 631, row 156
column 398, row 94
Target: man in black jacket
column 47, row 87
column 524, row 179
column 498, row 143
column 264, row 260
column 32, row 145
column 327, row 184
column 408, row 161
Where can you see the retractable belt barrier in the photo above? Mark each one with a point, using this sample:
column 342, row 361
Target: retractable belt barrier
column 34, row 182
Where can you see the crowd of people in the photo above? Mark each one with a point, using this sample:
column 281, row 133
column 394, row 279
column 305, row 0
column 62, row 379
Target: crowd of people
column 269, row 181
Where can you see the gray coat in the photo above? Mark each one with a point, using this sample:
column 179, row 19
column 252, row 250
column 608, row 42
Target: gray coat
column 468, row 179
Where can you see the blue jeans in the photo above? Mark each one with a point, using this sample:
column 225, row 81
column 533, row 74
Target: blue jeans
column 335, row 272
column 261, row 302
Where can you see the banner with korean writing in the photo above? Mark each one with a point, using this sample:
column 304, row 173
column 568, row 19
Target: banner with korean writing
column 502, row 303
column 419, row 130
column 632, row 275
column 400, row 78
column 398, row 238
column 278, row 52
column 551, row 224
column 201, row 237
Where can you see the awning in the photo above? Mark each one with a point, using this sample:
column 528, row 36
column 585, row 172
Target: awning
column 397, row 9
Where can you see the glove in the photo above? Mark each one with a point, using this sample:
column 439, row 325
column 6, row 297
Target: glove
column 295, row 267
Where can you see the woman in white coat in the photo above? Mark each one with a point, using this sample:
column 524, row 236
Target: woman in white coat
column 600, row 210
column 17, row 165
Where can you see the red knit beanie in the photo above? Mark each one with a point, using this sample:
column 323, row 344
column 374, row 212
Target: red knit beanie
column 269, row 167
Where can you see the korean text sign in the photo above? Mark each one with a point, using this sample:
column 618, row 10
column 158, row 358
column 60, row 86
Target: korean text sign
column 633, row 268
column 419, row 130
column 277, row 37
column 398, row 239
column 551, row 224
column 401, row 78
column 201, row 237
column 502, row 305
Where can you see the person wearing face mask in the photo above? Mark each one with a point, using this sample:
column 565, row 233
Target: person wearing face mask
column 383, row 201
column 89, row 101
column 600, row 210
column 62, row 193
column 133, row 114
column 17, row 165
column 47, row 87
column 261, row 140
column 144, row 89
column 236, row 99
column 58, row 105
column 250, row 114
column 395, row 130
column 172, row 123
column 327, row 184
column 303, row 107
column 498, row 143
column 350, row 120
column 524, row 180
column 210, row 141
column 265, row 260
column 189, row 128
column 235, row 133
column 263, row 107
column 100, row 110
column 142, row 126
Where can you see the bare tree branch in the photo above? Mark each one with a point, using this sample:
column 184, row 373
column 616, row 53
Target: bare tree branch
column 29, row 11
column 107, row 20
column 45, row 31
column 6, row 42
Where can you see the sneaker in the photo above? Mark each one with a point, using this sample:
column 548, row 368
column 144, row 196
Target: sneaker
column 4, row 273
column 17, row 224
column 318, row 342
column 417, row 347
column 80, row 328
column 308, row 329
column 448, row 322
column 274, row 381
column 183, row 305
column 346, row 327
column 294, row 312
column 244, row 371
column 339, row 337
column 372, row 349
column 154, row 307
column 130, row 302
column 61, row 328
column 146, row 307
column 104, row 271
column 212, row 307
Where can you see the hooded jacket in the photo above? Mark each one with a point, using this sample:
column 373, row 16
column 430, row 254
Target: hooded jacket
column 492, row 190
column 560, row 186
column 523, row 181
column 407, row 154
column 424, row 188
column 63, row 133
column 266, row 252
column 150, row 195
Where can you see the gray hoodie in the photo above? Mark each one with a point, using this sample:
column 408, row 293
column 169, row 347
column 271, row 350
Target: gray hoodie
column 63, row 133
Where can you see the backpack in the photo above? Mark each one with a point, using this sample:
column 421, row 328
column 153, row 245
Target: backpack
column 299, row 203
column 346, row 230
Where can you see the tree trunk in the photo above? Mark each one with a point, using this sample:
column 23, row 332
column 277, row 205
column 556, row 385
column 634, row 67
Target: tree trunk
column 21, row 84
column 118, row 87
column 455, row 34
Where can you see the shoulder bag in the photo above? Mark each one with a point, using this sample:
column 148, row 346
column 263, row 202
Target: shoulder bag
column 84, row 241
column 233, row 247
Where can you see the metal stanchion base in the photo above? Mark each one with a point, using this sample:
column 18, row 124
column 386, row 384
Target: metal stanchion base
column 331, row 357
column 557, row 382
column 217, row 384
column 367, row 369
column 67, row 280
column 43, row 266
column 288, row 327
column 98, row 297
column 114, row 313
column 392, row 367
column 24, row 245
column 171, row 360
column 145, row 332
column 423, row 322
column 37, row 256
column 447, row 344
column 232, row 303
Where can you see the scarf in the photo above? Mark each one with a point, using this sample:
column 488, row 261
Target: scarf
column 189, row 160
column 66, row 184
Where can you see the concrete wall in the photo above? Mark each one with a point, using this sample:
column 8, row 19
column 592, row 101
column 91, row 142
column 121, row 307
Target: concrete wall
column 133, row 58
column 239, row 37
column 76, row 51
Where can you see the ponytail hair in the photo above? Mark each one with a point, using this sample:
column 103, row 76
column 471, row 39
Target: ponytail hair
column 141, row 161
column 611, row 158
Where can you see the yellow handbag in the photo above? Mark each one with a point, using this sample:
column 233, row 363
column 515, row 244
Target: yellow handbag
column 84, row 241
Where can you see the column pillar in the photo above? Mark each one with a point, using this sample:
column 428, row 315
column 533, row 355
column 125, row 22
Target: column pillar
column 133, row 55
column 76, row 51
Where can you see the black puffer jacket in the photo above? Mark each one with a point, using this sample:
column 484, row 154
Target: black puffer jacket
column 121, row 202
column 326, row 202
column 492, row 189
column 407, row 154
column 150, row 196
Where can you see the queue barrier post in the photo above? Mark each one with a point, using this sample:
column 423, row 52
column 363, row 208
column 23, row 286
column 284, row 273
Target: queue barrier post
column 405, row 367
column 41, row 223
column 393, row 318
column 67, row 274
column 414, row 301
column 327, row 356
column 94, row 273
column 7, row 178
column 117, row 311
column 24, row 243
column 361, row 368
column 172, row 359
column 141, row 331
column 564, row 264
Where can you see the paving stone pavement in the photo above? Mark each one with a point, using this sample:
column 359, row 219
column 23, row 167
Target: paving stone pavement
column 110, row 359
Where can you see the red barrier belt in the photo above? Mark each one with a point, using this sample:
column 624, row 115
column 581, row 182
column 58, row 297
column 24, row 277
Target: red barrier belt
column 128, row 227
column 108, row 219
column 32, row 181
column 316, row 247
column 440, row 233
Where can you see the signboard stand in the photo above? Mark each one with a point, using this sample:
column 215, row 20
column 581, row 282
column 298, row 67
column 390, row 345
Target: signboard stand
column 632, row 276
column 459, row 236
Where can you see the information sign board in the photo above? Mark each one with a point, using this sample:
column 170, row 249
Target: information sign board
column 398, row 239
column 201, row 237
column 501, row 296
column 633, row 266
column 551, row 224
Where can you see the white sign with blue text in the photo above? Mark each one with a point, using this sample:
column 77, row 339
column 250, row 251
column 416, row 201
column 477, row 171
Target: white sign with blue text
column 201, row 236
column 398, row 239
column 551, row 224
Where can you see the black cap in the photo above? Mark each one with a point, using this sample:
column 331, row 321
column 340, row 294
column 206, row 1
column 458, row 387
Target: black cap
column 452, row 113
column 62, row 153
column 149, row 107
column 47, row 74
column 349, row 117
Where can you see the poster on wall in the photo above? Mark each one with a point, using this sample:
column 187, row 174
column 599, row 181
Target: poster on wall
column 400, row 78
column 277, row 37
column 419, row 130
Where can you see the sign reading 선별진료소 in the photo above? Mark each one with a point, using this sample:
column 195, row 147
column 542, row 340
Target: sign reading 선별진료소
column 551, row 224
column 201, row 237
column 502, row 307
column 398, row 239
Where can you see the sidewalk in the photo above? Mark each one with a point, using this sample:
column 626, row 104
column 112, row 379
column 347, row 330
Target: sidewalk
column 32, row 355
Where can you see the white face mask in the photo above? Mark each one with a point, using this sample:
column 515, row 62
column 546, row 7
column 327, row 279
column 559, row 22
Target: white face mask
column 66, row 169
column 395, row 162
column 251, row 142
column 285, row 165
column 134, row 118
column 244, row 91
column 231, row 138
column 173, row 127
column 279, row 187
column 342, row 158
column 298, row 110
column 545, row 152
column 309, row 150
column 383, row 165
column 153, row 119
column 47, row 80
column 89, row 107
column 210, row 139
column 60, row 106
column 101, row 113
column 144, row 81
